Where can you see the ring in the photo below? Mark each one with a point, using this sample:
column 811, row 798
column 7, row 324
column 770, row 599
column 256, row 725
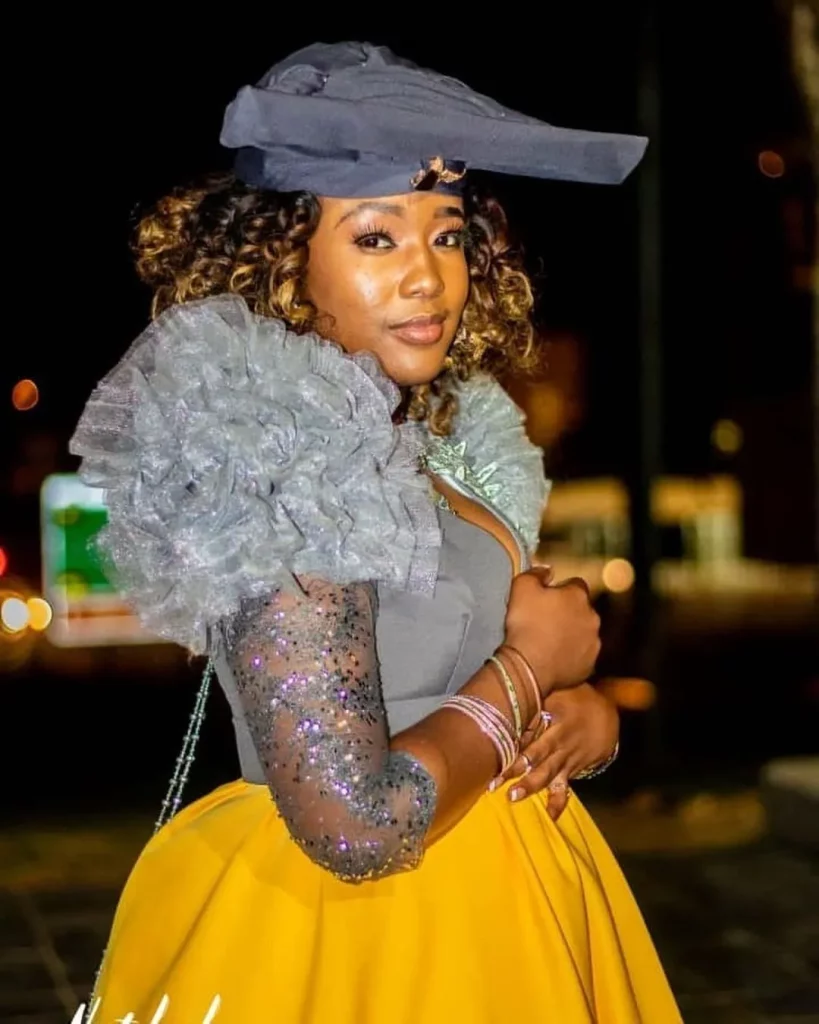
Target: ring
column 558, row 786
column 527, row 761
column 546, row 718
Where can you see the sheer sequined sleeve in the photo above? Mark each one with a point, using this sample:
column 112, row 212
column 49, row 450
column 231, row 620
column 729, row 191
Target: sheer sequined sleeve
column 306, row 671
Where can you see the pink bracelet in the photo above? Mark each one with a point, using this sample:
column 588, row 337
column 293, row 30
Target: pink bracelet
column 491, row 723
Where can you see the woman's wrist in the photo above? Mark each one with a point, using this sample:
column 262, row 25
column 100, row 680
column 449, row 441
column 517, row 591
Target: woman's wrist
column 514, row 693
column 539, row 668
column 600, row 766
column 511, row 692
column 526, row 680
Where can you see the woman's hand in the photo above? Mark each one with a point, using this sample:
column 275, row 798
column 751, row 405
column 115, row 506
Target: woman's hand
column 555, row 627
column 584, row 729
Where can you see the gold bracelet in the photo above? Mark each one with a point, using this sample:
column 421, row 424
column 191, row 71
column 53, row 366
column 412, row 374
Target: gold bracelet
column 529, row 676
column 597, row 769
column 506, row 679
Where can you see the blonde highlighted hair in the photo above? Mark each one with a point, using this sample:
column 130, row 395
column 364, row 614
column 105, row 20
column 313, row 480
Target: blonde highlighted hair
column 223, row 236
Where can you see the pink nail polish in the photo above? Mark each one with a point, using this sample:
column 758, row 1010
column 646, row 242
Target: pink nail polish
column 493, row 785
column 516, row 794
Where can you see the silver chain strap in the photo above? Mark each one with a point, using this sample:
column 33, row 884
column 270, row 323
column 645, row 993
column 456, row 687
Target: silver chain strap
column 173, row 798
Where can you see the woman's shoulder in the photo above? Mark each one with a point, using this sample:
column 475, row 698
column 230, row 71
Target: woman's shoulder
column 235, row 454
column 490, row 451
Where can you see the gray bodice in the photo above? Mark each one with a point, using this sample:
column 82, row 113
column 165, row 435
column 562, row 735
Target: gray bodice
column 239, row 459
column 427, row 646
column 264, row 506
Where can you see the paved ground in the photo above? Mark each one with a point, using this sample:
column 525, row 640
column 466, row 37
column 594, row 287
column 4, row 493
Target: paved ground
column 737, row 925
column 738, row 931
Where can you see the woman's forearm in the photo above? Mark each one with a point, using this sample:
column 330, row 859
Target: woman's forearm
column 358, row 803
column 454, row 751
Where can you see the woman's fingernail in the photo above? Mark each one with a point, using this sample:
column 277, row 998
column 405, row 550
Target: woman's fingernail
column 493, row 785
column 517, row 794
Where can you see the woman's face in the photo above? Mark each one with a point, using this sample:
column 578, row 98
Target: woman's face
column 389, row 276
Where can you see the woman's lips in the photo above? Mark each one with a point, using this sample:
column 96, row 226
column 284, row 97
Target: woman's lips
column 422, row 330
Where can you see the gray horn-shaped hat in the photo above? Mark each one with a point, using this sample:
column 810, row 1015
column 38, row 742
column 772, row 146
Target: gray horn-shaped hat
column 353, row 120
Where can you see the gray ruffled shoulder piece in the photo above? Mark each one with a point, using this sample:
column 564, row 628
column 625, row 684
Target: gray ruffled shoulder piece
column 490, row 452
column 235, row 454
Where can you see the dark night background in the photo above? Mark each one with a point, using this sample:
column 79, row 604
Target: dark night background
column 112, row 122
column 104, row 116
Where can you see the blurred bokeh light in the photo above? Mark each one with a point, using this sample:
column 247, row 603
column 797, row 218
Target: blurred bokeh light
column 40, row 613
column 629, row 694
column 25, row 395
column 618, row 575
column 771, row 164
column 727, row 437
column 14, row 614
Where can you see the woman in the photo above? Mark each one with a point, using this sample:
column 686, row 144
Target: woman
column 313, row 477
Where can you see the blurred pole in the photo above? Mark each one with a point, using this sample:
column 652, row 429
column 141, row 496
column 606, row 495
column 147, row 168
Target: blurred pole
column 647, row 465
column 645, row 540
column 804, row 32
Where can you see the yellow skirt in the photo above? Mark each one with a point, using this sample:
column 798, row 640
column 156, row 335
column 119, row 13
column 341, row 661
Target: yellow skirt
column 511, row 917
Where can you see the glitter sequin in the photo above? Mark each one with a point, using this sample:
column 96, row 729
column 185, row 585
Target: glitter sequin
column 318, row 722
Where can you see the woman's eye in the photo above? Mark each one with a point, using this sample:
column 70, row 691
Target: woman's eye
column 374, row 240
column 370, row 239
column 452, row 239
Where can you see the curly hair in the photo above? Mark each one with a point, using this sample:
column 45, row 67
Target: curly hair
column 223, row 236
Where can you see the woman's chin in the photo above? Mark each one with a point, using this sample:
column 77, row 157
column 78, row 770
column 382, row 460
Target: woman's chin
column 409, row 369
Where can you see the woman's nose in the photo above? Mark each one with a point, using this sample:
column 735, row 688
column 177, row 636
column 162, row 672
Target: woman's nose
column 422, row 278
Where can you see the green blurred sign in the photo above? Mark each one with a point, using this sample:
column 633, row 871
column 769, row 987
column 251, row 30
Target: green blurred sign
column 87, row 609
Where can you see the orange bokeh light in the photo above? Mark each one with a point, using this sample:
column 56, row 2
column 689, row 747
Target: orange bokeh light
column 631, row 694
column 25, row 395
column 618, row 575
column 771, row 164
column 4, row 562
column 40, row 613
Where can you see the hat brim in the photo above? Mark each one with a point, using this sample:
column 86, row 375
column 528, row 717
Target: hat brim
column 377, row 130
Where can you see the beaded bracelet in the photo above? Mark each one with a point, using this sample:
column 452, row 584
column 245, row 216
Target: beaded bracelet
column 491, row 723
column 512, row 693
column 597, row 769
